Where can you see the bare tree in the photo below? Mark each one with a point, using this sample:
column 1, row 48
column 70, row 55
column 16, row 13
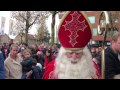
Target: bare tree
column 26, row 19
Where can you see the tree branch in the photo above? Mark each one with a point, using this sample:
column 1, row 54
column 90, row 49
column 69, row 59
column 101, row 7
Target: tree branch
column 34, row 20
column 22, row 17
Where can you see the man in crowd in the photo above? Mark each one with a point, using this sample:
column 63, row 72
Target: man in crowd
column 74, row 60
column 112, row 58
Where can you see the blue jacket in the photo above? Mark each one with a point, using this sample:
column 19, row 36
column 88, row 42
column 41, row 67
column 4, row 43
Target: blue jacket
column 2, row 68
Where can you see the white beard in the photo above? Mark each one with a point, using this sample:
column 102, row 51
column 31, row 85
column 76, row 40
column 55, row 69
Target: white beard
column 64, row 69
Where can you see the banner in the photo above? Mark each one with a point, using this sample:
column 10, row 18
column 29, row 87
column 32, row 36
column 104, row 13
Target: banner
column 3, row 19
column 10, row 26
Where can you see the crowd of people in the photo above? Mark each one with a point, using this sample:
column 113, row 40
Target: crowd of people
column 30, row 62
column 26, row 62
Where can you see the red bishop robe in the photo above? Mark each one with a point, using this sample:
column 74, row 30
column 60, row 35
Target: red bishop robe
column 48, row 74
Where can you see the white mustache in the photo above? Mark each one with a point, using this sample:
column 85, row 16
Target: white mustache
column 74, row 60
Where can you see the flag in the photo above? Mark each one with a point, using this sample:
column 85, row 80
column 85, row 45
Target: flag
column 10, row 26
column 3, row 19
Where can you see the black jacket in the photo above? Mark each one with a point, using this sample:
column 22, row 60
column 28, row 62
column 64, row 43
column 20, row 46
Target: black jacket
column 39, row 58
column 27, row 64
column 37, row 73
column 112, row 64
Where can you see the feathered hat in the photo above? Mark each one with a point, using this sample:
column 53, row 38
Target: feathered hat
column 75, row 30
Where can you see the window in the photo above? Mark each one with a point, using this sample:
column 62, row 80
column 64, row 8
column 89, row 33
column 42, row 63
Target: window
column 94, row 31
column 92, row 19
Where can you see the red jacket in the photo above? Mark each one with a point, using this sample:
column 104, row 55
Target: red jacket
column 49, row 70
column 46, row 61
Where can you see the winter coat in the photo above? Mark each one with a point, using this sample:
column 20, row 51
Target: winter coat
column 112, row 64
column 2, row 68
column 13, row 68
column 27, row 64
column 37, row 73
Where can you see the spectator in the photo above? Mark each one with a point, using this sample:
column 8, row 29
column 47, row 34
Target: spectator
column 13, row 68
column 40, row 58
column 37, row 71
column 27, row 64
column 112, row 60
column 2, row 68
column 48, row 58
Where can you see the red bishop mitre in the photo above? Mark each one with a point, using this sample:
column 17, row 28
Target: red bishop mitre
column 74, row 32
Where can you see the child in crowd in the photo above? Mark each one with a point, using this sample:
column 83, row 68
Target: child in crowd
column 27, row 63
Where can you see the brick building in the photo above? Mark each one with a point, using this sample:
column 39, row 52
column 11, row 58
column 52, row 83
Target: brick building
column 20, row 38
column 4, row 38
column 94, row 17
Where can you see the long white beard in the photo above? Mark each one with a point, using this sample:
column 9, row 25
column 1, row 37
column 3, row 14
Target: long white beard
column 64, row 69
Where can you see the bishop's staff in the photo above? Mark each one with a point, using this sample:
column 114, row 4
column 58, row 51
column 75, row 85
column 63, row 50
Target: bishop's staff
column 101, row 31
